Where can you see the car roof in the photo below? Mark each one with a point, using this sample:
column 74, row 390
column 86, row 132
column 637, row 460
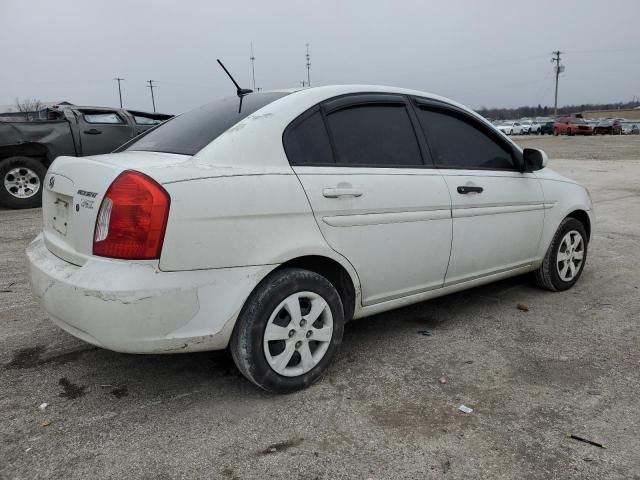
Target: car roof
column 267, row 124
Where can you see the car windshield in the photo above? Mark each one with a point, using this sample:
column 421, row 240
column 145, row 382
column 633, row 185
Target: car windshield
column 190, row 132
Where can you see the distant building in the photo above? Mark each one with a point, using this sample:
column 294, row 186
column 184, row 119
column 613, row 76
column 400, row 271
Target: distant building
column 630, row 113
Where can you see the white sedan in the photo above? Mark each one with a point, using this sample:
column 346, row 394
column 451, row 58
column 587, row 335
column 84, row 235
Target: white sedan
column 511, row 128
column 263, row 224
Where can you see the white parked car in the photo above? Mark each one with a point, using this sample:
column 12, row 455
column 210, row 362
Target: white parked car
column 511, row 128
column 530, row 127
column 265, row 226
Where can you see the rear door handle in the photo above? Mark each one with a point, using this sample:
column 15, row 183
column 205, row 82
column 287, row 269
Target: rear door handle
column 464, row 189
column 341, row 192
column 93, row 131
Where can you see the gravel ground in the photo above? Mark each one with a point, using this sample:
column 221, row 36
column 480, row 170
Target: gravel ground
column 570, row 364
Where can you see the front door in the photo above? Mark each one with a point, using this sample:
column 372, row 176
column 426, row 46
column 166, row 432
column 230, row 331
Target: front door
column 498, row 211
column 375, row 199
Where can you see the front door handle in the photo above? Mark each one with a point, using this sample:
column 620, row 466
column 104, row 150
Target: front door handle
column 93, row 131
column 464, row 189
column 341, row 192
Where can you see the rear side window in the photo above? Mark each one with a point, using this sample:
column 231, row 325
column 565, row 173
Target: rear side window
column 106, row 117
column 374, row 135
column 307, row 143
column 140, row 120
column 190, row 132
column 456, row 143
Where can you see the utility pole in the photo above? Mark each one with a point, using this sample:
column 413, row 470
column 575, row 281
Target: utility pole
column 118, row 79
column 253, row 68
column 308, row 67
column 559, row 69
column 153, row 100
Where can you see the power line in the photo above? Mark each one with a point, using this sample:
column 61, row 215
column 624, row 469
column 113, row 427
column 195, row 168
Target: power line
column 118, row 79
column 153, row 100
column 559, row 68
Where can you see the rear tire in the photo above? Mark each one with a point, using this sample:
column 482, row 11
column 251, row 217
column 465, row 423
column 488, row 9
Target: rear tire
column 273, row 342
column 21, row 182
column 566, row 257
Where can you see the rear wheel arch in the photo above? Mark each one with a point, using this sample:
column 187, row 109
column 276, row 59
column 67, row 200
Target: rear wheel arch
column 37, row 151
column 336, row 273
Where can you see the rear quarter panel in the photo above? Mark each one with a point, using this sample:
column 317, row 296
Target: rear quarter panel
column 232, row 221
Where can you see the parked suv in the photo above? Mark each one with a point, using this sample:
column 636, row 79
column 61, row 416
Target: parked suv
column 546, row 128
column 264, row 223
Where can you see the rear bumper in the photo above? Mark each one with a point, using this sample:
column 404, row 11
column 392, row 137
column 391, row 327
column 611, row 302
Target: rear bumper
column 136, row 308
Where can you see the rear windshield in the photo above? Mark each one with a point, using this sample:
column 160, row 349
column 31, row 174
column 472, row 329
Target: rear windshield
column 190, row 132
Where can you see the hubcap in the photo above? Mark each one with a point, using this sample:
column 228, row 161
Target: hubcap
column 298, row 334
column 22, row 182
column 570, row 256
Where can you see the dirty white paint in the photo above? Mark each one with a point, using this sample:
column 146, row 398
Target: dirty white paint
column 238, row 210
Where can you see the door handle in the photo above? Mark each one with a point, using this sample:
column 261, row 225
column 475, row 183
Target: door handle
column 464, row 189
column 93, row 131
column 341, row 192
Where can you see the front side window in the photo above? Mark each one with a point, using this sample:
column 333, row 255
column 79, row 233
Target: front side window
column 106, row 117
column 456, row 143
column 376, row 135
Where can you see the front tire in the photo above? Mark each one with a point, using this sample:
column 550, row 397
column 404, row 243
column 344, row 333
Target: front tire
column 21, row 180
column 288, row 331
column 565, row 259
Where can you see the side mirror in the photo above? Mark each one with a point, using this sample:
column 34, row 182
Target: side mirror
column 534, row 159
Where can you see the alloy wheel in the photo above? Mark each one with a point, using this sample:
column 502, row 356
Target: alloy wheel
column 570, row 256
column 298, row 334
column 22, row 182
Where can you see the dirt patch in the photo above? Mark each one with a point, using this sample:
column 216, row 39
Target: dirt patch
column 71, row 390
column 26, row 357
column 120, row 392
column 428, row 419
column 31, row 357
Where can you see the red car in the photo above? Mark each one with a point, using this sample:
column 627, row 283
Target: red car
column 571, row 126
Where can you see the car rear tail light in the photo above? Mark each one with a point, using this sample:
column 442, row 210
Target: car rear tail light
column 132, row 218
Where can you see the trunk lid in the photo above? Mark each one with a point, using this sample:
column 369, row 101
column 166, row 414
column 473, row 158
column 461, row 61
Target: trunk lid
column 73, row 192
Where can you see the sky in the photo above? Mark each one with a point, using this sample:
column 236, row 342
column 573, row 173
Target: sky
column 490, row 53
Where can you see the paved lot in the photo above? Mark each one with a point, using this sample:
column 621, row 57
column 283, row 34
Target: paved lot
column 571, row 364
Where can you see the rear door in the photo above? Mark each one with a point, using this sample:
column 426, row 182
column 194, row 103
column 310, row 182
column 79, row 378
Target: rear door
column 102, row 131
column 498, row 210
column 375, row 197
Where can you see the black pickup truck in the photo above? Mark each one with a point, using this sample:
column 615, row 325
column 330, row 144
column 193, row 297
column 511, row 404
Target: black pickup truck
column 28, row 145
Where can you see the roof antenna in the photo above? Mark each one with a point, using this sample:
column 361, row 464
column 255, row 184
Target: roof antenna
column 239, row 91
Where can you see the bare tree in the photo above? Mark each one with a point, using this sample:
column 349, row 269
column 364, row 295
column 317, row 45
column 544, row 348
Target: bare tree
column 29, row 105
